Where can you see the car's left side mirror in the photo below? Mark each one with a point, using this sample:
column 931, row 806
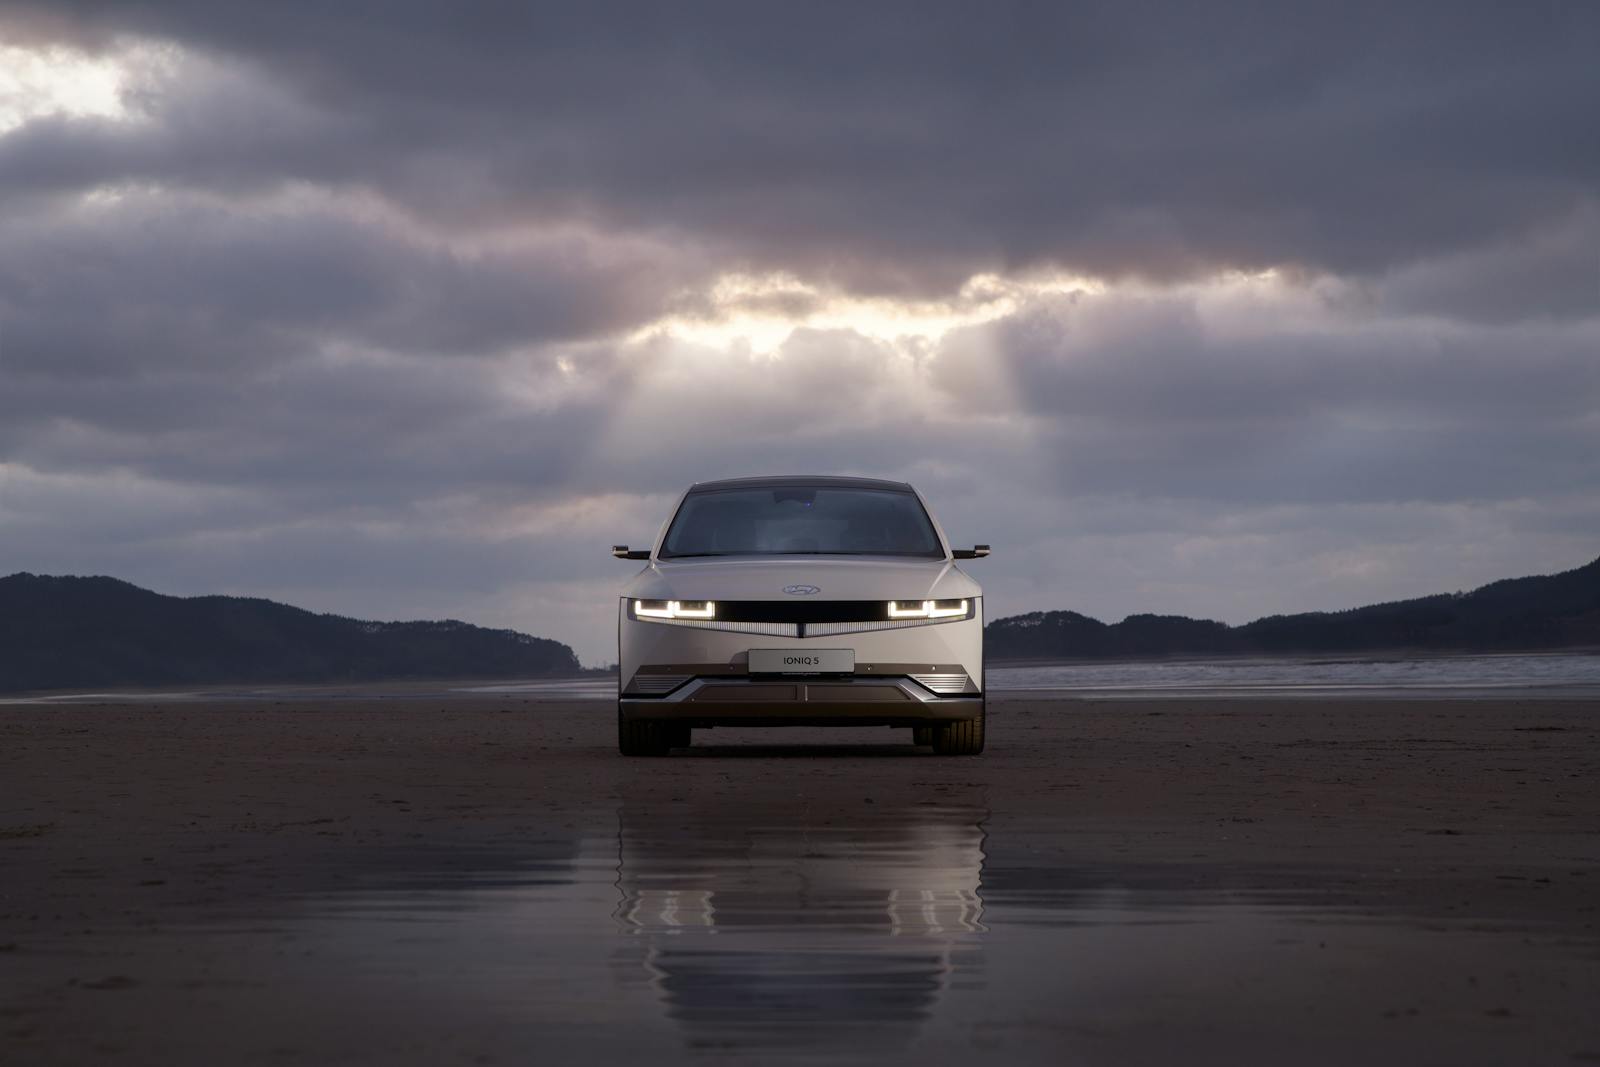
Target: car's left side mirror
column 975, row 552
column 624, row 552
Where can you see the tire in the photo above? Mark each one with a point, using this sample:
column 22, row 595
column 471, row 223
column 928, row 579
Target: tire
column 922, row 735
column 963, row 737
column 643, row 737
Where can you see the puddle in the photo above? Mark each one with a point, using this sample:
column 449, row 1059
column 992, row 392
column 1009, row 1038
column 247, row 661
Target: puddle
column 554, row 689
column 102, row 698
column 1546, row 676
column 919, row 935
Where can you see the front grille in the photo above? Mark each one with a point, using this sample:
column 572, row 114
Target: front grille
column 826, row 629
column 763, row 629
column 943, row 683
column 806, row 611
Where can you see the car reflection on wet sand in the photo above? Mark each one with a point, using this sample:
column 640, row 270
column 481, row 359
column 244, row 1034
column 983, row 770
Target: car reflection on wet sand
column 673, row 929
column 810, row 927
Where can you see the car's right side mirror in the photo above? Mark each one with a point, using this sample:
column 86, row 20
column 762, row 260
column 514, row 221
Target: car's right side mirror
column 624, row 552
column 975, row 552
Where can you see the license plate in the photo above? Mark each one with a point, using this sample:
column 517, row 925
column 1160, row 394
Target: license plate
column 802, row 661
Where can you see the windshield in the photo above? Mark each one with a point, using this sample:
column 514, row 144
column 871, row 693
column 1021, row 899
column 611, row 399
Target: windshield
column 801, row 520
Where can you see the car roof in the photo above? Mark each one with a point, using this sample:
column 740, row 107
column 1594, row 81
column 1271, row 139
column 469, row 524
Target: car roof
column 824, row 481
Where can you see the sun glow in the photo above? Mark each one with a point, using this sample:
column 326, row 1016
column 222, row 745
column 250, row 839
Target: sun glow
column 36, row 82
column 760, row 312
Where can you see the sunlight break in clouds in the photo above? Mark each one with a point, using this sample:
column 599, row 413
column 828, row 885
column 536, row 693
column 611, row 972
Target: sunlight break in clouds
column 755, row 314
column 35, row 82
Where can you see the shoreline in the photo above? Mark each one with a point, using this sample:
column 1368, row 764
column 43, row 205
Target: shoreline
column 432, row 688
column 1351, row 656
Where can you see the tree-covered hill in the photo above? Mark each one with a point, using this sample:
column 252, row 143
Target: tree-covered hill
column 1545, row 612
column 70, row 633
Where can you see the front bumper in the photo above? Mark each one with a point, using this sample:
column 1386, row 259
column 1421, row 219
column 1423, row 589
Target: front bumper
column 903, row 676
column 781, row 700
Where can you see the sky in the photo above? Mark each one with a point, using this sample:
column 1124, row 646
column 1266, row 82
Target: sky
column 408, row 310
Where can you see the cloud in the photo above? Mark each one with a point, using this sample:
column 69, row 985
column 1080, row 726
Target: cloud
column 1277, row 394
column 906, row 147
column 128, row 283
column 1551, row 273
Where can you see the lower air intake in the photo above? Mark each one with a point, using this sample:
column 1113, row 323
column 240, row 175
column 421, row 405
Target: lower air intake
column 945, row 683
column 654, row 685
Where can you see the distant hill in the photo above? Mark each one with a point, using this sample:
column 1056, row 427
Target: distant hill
column 72, row 633
column 1554, row 611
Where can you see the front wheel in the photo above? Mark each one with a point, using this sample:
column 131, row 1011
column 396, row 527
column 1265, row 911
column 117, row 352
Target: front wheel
column 964, row 737
column 644, row 737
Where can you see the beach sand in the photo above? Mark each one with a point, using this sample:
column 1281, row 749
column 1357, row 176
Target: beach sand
column 158, row 862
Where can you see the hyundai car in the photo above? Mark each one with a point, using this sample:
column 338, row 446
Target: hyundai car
column 787, row 601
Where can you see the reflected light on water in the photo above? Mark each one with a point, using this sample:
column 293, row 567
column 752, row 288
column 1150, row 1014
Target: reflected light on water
column 801, row 928
column 825, row 925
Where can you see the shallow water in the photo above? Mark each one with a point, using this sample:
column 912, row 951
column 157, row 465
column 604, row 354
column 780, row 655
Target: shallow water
column 1547, row 675
column 920, row 935
column 1553, row 675
column 1563, row 675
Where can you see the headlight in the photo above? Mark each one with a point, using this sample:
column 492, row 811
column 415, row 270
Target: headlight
column 674, row 609
column 929, row 609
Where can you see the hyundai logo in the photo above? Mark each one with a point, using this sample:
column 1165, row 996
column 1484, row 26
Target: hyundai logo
column 801, row 590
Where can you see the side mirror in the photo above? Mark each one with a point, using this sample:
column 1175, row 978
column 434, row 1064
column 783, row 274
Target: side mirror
column 975, row 552
column 624, row 552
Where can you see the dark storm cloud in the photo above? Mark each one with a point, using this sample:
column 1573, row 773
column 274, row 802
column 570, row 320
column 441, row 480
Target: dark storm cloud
column 1551, row 273
column 897, row 145
column 1175, row 357
column 153, row 281
column 304, row 347
column 310, row 435
column 1183, row 396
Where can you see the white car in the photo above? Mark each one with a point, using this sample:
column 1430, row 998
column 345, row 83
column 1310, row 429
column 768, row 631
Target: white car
column 800, row 601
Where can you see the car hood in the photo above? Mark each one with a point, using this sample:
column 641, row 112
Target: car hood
column 853, row 578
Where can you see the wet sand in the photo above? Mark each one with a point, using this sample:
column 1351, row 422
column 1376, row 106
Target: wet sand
column 484, row 880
